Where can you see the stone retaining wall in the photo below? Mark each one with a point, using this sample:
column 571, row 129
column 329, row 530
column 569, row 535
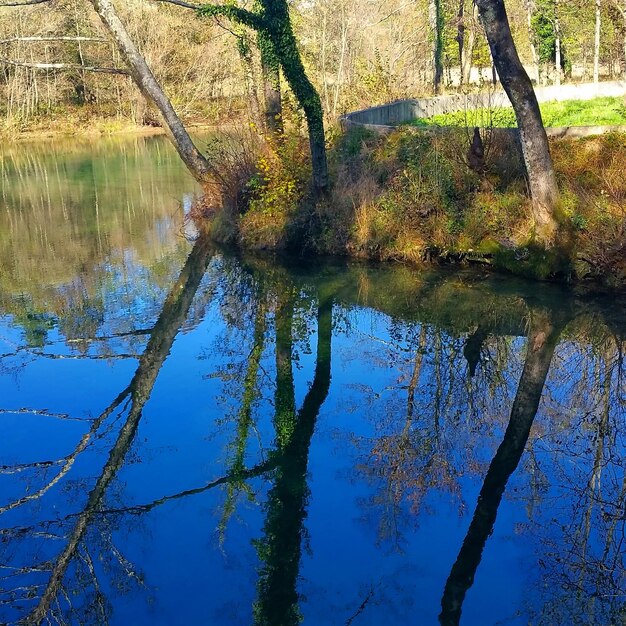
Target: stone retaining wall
column 385, row 117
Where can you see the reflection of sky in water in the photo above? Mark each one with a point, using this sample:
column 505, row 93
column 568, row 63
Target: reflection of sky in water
column 390, row 486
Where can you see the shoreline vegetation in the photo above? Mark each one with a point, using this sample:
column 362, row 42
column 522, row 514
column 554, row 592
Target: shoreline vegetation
column 407, row 197
column 545, row 209
column 415, row 198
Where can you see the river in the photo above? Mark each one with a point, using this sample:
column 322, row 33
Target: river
column 195, row 436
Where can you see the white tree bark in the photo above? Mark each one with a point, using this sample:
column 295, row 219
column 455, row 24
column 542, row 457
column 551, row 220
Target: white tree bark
column 150, row 88
column 596, row 46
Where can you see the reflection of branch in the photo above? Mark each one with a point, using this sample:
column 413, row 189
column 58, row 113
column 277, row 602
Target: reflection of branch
column 233, row 477
column 69, row 460
column 542, row 341
column 245, row 421
column 173, row 314
column 44, row 413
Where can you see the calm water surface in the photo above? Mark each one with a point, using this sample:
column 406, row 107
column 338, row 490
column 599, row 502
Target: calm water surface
column 190, row 437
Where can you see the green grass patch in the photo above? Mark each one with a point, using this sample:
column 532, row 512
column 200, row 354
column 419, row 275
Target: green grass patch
column 596, row 112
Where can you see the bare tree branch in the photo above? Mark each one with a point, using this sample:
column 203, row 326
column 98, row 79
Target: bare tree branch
column 51, row 38
column 71, row 458
column 181, row 3
column 23, row 3
column 65, row 66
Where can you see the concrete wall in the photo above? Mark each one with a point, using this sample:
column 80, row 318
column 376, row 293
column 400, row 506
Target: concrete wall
column 383, row 118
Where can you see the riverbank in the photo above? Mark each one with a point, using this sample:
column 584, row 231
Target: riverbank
column 418, row 198
column 89, row 122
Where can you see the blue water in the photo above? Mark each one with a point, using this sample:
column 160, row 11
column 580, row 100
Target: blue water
column 288, row 442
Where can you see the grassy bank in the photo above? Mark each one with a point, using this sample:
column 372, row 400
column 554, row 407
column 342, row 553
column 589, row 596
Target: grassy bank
column 412, row 197
column 92, row 121
column 597, row 112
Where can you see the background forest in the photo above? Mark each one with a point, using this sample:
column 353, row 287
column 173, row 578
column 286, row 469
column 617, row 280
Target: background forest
column 357, row 53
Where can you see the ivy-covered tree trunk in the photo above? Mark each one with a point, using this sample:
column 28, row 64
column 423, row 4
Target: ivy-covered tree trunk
column 247, row 62
column 271, row 20
column 308, row 99
column 534, row 140
column 152, row 91
column 270, row 68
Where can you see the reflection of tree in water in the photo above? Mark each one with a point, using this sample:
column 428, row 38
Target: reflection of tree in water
column 577, row 447
column 75, row 216
column 52, row 595
column 583, row 575
column 286, row 466
column 454, row 387
column 433, row 419
column 281, row 547
column 542, row 340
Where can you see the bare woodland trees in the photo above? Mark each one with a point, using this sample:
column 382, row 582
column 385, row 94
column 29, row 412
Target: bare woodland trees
column 418, row 49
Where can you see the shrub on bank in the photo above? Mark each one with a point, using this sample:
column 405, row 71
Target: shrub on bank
column 414, row 197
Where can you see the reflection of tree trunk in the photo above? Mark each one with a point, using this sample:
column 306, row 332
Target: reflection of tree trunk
column 284, row 398
column 281, row 548
column 244, row 421
column 173, row 314
column 473, row 348
column 542, row 341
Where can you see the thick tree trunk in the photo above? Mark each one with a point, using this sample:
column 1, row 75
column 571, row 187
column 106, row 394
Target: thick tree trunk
column 542, row 341
column 534, row 140
column 150, row 88
column 309, row 100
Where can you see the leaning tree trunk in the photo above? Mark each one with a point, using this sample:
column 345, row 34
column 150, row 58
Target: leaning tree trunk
column 150, row 88
column 534, row 140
